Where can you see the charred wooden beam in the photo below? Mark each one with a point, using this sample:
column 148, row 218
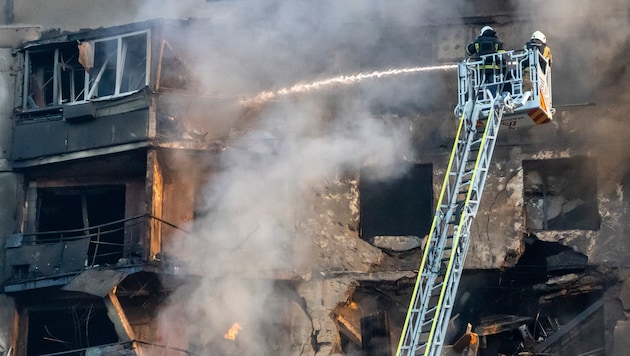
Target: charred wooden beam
column 564, row 329
column 117, row 316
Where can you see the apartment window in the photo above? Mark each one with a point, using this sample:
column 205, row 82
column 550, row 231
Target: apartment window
column 55, row 77
column 561, row 194
column 173, row 72
column 397, row 207
column 94, row 212
column 58, row 328
column 81, row 71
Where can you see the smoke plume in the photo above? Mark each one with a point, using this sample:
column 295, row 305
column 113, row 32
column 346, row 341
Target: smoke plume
column 246, row 228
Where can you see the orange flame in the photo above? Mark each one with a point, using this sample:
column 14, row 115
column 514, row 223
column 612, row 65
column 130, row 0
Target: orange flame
column 231, row 334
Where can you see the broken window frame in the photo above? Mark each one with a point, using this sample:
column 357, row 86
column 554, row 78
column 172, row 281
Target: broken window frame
column 92, row 79
column 173, row 72
column 104, row 234
column 67, row 327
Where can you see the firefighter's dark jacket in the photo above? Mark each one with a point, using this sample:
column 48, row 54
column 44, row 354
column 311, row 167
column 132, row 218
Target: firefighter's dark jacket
column 486, row 43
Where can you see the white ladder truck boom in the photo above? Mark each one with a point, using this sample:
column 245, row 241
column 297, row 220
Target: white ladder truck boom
column 486, row 100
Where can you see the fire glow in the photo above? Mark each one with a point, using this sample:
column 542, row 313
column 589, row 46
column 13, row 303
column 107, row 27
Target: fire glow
column 339, row 80
column 232, row 332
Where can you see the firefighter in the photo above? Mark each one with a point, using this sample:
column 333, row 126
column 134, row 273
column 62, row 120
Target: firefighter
column 538, row 41
column 487, row 43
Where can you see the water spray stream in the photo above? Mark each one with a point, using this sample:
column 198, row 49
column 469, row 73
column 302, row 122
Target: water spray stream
column 339, row 80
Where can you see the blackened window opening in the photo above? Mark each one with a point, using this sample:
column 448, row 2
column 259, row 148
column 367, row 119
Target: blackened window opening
column 397, row 207
column 72, row 328
column 561, row 194
column 375, row 335
column 68, row 213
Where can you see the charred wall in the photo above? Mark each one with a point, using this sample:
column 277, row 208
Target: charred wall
column 317, row 241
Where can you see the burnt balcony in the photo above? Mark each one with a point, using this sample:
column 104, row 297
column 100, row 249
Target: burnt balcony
column 113, row 90
column 64, row 129
column 54, row 258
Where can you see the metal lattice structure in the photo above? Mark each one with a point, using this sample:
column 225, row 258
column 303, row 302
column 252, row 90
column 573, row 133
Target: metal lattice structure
column 484, row 98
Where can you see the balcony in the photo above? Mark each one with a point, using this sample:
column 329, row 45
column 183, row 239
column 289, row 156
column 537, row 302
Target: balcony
column 55, row 258
column 66, row 129
column 85, row 91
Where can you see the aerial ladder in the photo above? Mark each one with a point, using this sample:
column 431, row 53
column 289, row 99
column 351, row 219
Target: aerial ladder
column 487, row 99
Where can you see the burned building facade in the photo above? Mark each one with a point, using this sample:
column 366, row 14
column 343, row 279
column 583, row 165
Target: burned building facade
column 243, row 179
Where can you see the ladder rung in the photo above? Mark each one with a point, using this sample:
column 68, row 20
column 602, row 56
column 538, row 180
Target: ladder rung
column 429, row 321
column 471, row 156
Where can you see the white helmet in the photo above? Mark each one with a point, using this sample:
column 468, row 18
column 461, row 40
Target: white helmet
column 539, row 36
column 484, row 29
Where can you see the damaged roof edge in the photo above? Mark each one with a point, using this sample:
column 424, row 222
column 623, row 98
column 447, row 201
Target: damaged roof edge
column 54, row 37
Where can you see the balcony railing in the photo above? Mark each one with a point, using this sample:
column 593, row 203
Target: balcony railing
column 135, row 347
column 56, row 253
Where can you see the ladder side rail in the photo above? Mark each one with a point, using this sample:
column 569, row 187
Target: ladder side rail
column 456, row 263
column 434, row 341
column 453, row 182
column 458, row 171
column 431, row 263
column 470, row 140
column 431, row 270
column 428, row 274
column 414, row 313
column 451, row 177
column 492, row 130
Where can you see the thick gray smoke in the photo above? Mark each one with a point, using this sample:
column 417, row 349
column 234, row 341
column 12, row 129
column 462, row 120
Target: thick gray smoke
column 590, row 42
column 247, row 227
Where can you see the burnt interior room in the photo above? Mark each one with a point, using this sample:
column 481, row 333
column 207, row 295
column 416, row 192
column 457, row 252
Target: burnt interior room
column 66, row 323
column 364, row 322
column 397, row 207
column 95, row 211
column 517, row 309
column 561, row 194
